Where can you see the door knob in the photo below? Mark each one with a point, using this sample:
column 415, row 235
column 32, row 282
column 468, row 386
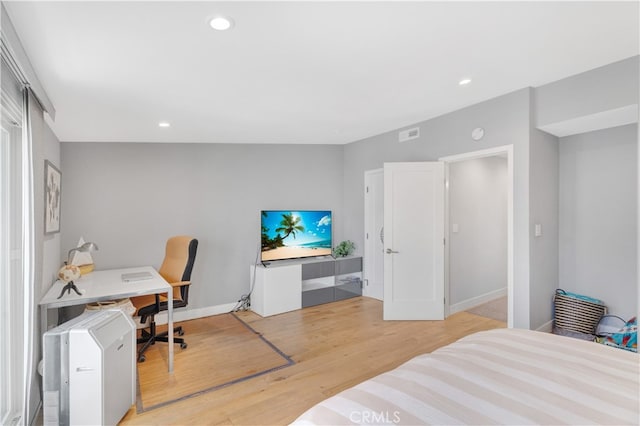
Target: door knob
column 389, row 251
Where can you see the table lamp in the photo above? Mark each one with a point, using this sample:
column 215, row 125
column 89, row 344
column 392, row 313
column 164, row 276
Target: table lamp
column 83, row 248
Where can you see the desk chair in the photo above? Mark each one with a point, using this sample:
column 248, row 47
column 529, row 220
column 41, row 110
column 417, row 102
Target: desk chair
column 176, row 268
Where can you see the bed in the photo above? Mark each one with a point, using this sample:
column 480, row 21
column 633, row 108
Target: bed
column 504, row 376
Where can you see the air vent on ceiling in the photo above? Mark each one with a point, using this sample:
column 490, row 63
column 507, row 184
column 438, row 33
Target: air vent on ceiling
column 409, row 134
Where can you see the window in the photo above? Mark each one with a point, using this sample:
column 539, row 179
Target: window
column 11, row 268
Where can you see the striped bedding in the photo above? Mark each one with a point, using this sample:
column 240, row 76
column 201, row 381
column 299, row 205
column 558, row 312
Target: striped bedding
column 504, row 376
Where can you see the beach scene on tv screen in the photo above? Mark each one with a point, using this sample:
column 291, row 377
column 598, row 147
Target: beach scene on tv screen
column 292, row 234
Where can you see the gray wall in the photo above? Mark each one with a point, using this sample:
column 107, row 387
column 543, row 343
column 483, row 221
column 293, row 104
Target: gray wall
column 478, row 206
column 129, row 198
column 505, row 120
column 606, row 88
column 137, row 190
column 598, row 216
column 543, row 202
column 50, row 150
column 46, row 247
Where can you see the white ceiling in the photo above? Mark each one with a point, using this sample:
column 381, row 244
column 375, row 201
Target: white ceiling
column 300, row 72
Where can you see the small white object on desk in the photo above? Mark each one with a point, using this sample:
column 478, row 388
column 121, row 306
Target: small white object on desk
column 136, row 276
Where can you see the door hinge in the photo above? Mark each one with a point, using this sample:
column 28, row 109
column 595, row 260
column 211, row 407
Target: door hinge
column 367, row 189
column 367, row 235
column 444, row 241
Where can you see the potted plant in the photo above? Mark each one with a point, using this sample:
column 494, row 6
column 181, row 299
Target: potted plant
column 345, row 248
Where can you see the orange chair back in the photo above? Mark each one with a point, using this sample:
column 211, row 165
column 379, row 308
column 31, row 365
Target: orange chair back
column 178, row 261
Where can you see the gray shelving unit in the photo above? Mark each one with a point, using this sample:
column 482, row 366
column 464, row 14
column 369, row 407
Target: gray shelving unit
column 331, row 280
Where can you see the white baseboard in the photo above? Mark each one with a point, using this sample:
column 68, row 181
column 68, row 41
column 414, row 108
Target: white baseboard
column 547, row 327
column 478, row 300
column 189, row 314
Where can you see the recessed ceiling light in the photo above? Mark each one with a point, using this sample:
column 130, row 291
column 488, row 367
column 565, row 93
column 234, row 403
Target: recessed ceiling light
column 164, row 124
column 464, row 81
column 220, row 23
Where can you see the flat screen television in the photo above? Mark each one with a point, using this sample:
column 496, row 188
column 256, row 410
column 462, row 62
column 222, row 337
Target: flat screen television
column 291, row 234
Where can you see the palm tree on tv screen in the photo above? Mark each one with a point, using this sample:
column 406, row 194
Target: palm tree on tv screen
column 289, row 225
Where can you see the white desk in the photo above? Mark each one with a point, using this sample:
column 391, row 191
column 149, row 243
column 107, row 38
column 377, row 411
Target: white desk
column 108, row 285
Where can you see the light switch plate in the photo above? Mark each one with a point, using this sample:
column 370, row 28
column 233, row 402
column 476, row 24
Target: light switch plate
column 538, row 230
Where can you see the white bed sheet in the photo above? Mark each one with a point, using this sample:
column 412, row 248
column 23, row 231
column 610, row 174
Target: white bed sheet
column 503, row 376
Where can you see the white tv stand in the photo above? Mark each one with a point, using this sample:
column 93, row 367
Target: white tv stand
column 289, row 285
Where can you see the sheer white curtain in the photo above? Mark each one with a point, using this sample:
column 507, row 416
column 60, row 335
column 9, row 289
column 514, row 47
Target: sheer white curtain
column 16, row 263
column 21, row 250
column 28, row 251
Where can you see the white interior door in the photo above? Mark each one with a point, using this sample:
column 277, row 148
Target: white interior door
column 373, row 234
column 414, row 241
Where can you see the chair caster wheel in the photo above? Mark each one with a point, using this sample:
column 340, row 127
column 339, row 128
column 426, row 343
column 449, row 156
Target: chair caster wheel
column 180, row 332
column 141, row 358
column 183, row 346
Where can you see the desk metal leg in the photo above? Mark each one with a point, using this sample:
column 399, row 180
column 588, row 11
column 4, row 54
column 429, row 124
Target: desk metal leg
column 170, row 328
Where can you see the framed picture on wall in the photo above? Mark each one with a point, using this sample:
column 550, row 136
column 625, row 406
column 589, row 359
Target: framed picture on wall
column 52, row 197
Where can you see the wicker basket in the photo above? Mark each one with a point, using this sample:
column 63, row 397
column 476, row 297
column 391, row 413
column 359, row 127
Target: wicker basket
column 574, row 312
column 123, row 304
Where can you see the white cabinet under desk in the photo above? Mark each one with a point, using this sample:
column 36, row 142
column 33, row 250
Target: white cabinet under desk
column 291, row 285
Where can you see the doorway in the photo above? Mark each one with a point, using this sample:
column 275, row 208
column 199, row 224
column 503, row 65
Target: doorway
column 373, row 210
column 479, row 230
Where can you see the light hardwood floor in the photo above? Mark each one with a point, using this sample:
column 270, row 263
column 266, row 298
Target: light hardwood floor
column 334, row 346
